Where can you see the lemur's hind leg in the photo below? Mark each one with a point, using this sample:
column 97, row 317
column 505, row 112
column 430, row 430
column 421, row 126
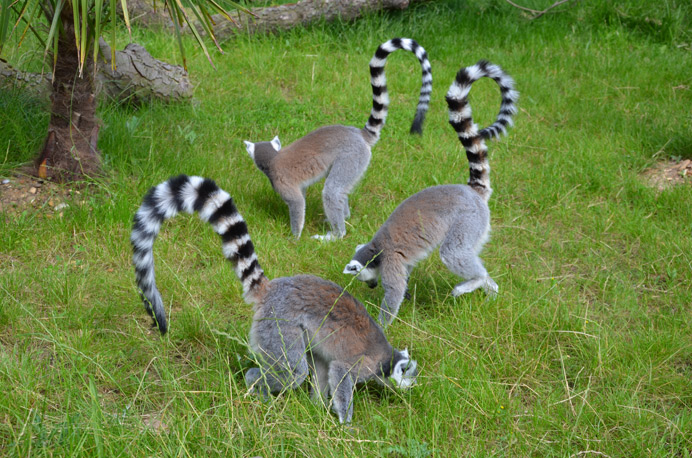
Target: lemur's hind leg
column 341, row 384
column 281, row 354
column 458, row 254
column 342, row 178
column 319, row 389
column 334, row 201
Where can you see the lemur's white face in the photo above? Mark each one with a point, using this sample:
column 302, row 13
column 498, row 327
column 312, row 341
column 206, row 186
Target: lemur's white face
column 404, row 372
column 364, row 274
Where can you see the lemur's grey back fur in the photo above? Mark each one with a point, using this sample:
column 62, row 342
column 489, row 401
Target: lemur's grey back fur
column 454, row 217
column 301, row 324
column 341, row 153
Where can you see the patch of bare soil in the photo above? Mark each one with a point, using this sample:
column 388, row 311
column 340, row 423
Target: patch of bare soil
column 21, row 192
column 665, row 175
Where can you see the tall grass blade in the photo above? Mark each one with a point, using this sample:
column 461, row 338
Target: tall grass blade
column 126, row 16
column 114, row 30
column 96, row 417
column 177, row 18
column 84, row 22
column 4, row 21
column 98, row 19
column 196, row 34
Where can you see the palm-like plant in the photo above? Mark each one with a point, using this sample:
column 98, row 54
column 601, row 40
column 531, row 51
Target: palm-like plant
column 70, row 31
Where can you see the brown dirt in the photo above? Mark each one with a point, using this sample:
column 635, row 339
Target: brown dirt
column 19, row 193
column 665, row 175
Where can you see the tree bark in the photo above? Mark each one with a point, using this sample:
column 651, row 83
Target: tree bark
column 272, row 18
column 69, row 152
column 137, row 78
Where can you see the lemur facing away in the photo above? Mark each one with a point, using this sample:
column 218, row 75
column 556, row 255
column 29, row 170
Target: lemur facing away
column 454, row 217
column 341, row 153
column 301, row 324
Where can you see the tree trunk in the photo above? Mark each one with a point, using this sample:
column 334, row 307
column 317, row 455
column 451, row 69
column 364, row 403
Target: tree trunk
column 69, row 152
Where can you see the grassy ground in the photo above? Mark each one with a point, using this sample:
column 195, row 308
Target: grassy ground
column 586, row 352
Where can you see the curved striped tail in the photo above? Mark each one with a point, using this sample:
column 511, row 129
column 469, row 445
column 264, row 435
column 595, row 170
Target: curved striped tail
column 380, row 97
column 461, row 120
column 215, row 206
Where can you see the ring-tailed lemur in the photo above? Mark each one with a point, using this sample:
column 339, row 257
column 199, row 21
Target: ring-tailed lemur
column 341, row 153
column 301, row 324
column 454, row 217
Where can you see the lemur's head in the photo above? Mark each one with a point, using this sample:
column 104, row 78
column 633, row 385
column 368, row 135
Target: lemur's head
column 404, row 370
column 263, row 152
column 365, row 264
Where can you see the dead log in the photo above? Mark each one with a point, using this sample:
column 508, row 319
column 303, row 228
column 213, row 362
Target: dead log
column 282, row 17
column 271, row 18
column 37, row 83
column 137, row 77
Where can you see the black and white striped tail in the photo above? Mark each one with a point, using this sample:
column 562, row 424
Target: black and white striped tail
column 215, row 206
column 380, row 97
column 461, row 120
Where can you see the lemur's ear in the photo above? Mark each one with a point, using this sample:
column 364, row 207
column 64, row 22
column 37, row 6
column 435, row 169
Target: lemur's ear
column 404, row 353
column 250, row 147
column 276, row 143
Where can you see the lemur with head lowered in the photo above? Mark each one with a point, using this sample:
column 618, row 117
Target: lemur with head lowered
column 301, row 324
column 341, row 153
column 454, row 217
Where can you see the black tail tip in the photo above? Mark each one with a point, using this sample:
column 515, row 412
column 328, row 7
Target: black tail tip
column 417, row 126
column 158, row 321
column 163, row 327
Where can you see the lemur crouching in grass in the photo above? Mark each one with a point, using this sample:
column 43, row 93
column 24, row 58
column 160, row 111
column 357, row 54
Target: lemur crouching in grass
column 302, row 325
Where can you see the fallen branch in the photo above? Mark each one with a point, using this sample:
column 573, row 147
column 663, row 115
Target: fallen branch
column 537, row 13
column 272, row 18
column 38, row 83
column 137, row 77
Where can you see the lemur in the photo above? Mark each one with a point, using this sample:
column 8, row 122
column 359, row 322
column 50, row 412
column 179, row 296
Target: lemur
column 454, row 217
column 341, row 153
column 301, row 324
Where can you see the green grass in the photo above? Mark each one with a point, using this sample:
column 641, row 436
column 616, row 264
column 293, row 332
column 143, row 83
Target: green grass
column 586, row 352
